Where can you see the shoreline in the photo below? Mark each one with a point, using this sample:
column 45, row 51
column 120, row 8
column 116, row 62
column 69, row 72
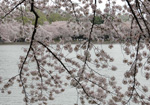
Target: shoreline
column 14, row 43
column 74, row 42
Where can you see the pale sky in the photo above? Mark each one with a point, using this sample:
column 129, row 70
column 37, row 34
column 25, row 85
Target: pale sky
column 99, row 6
column 102, row 6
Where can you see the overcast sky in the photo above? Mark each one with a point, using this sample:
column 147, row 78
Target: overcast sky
column 102, row 6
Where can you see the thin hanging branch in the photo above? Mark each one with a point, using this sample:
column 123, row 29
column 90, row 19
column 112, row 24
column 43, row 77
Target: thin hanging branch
column 135, row 70
column 137, row 50
column 13, row 9
column 142, row 17
column 32, row 40
column 134, row 15
column 73, row 7
column 90, row 36
column 39, row 69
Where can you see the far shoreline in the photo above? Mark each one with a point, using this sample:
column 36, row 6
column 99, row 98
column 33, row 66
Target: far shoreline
column 14, row 43
column 73, row 42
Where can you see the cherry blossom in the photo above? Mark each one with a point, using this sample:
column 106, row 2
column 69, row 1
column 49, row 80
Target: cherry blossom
column 56, row 66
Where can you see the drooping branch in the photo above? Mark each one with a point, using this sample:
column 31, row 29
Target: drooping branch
column 90, row 35
column 73, row 7
column 133, row 13
column 135, row 69
column 31, row 43
column 63, row 66
column 84, row 90
column 13, row 9
column 38, row 67
column 145, row 7
column 142, row 17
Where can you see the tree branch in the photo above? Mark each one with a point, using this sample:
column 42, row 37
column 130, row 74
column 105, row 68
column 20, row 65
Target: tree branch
column 32, row 39
column 13, row 9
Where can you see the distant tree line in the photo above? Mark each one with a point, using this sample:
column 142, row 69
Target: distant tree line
column 44, row 17
column 52, row 17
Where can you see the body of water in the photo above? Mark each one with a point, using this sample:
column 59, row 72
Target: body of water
column 9, row 59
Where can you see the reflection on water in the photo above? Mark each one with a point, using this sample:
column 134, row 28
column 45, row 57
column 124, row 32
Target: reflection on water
column 9, row 59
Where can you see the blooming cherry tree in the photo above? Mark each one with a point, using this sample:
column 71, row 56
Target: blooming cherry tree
column 56, row 66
